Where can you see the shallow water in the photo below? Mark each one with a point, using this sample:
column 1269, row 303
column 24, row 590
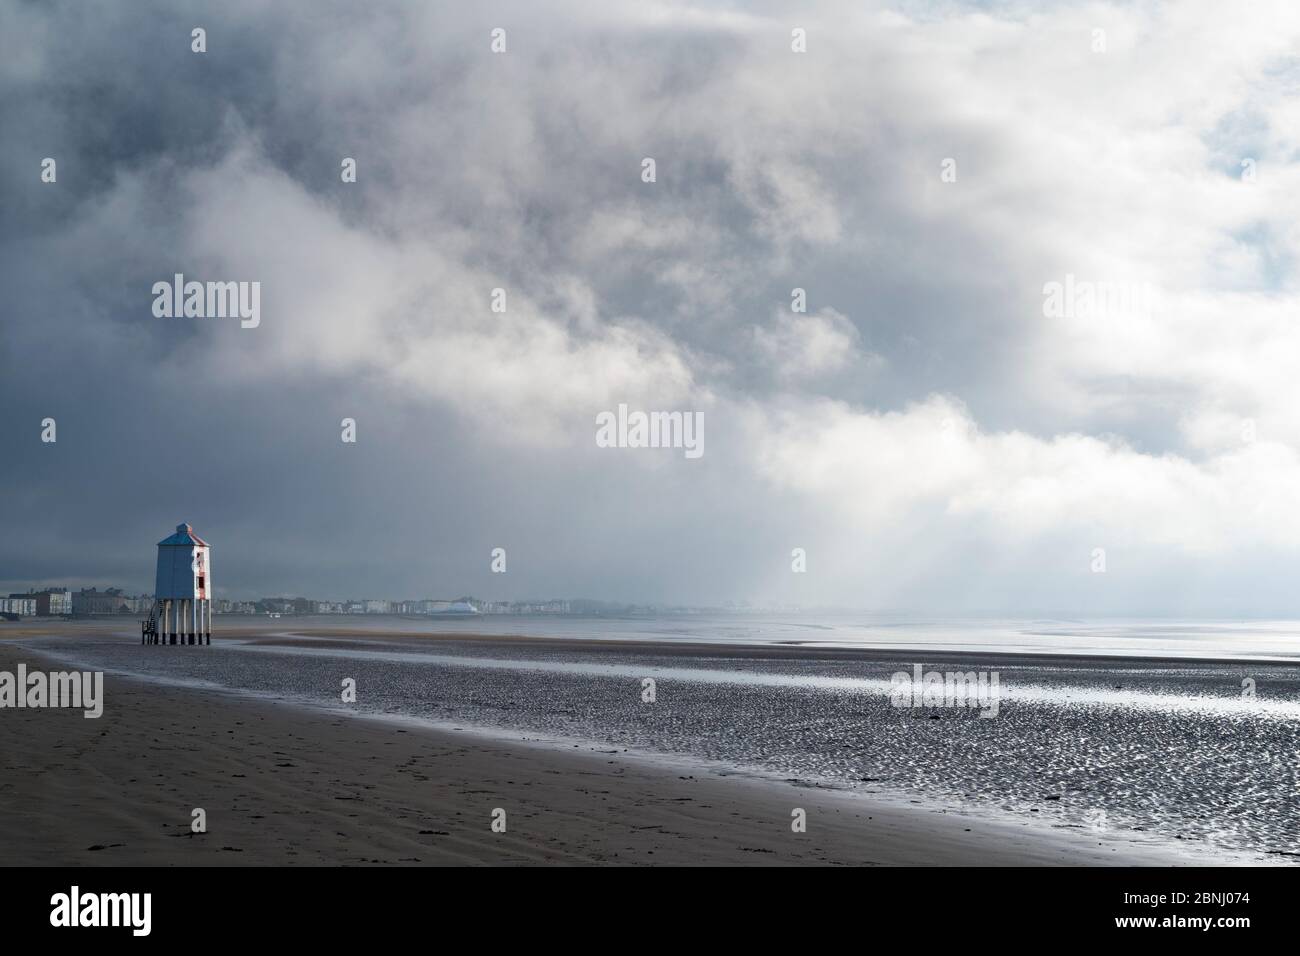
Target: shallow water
column 1168, row 748
column 1165, row 638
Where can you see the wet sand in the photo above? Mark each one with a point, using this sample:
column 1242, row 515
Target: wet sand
column 283, row 785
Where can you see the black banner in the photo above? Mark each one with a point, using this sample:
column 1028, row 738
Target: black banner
column 951, row 907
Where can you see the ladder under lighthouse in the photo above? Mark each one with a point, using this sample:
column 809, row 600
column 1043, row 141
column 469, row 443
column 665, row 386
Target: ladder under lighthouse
column 149, row 628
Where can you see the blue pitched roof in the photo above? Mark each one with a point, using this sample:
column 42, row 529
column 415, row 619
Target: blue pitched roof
column 184, row 537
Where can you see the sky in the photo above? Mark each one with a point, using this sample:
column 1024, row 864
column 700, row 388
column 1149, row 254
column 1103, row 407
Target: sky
column 941, row 429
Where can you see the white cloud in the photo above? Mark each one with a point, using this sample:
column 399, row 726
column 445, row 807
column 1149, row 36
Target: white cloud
column 879, row 470
column 342, row 300
column 798, row 345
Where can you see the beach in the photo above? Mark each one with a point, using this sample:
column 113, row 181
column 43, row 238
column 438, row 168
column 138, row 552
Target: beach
column 284, row 780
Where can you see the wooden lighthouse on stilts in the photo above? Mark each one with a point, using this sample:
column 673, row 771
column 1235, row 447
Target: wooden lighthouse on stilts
column 182, row 607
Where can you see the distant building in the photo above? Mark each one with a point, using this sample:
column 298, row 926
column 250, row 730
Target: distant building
column 524, row 607
column 50, row 602
column 224, row 606
column 90, row 601
column 453, row 607
column 20, row 606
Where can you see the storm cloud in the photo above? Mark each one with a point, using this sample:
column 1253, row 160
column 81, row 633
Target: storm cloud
column 924, row 430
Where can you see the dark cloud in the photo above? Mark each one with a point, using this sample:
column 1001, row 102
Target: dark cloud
column 521, row 171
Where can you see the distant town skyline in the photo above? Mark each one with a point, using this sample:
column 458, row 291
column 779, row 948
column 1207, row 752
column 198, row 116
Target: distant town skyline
column 62, row 601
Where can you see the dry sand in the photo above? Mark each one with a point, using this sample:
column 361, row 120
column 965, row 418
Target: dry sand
column 282, row 785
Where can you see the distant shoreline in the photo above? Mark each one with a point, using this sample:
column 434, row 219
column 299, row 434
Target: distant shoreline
column 326, row 629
